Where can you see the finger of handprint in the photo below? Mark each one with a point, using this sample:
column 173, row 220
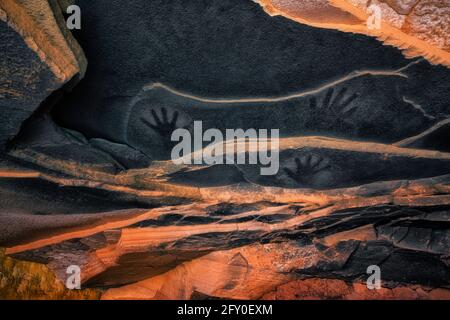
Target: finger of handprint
column 314, row 160
column 304, row 161
column 174, row 118
column 156, row 117
column 289, row 173
column 164, row 115
column 340, row 95
column 149, row 124
column 348, row 101
column 323, row 164
column 349, row 110
column 326, row 102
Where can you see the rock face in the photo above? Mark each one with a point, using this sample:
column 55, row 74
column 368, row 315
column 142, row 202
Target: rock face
column 338, row 289
column 363, row 158
column 373, row 93
column 24, row 280
column 37, row 56
column 417, row 27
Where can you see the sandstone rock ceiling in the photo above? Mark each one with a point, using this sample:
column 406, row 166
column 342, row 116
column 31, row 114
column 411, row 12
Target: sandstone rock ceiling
column 364, row 173
column 417, row 27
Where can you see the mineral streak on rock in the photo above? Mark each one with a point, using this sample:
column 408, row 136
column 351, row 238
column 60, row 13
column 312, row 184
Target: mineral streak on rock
column 417, row 27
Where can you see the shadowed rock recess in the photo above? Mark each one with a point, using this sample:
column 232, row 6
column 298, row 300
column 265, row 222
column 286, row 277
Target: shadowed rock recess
column 86, row 176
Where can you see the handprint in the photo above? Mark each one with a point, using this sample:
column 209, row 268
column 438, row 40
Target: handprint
column 307, row 168
column 162, row 125
column 337, row 105
column 333, row 112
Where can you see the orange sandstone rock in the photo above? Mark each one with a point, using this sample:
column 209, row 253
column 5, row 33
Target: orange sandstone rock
column 417, row 27
column 318, row 289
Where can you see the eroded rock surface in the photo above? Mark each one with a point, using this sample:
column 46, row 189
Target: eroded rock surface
column 364, row 162
column 418, row 27
column 37, row 57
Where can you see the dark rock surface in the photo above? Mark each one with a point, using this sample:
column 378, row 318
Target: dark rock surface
column 18, row 99
column 376, row 94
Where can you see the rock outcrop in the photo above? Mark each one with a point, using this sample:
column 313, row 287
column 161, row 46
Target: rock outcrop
column 363, row 162
column 417, row 27
column 32, row 281
column 38, row 55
